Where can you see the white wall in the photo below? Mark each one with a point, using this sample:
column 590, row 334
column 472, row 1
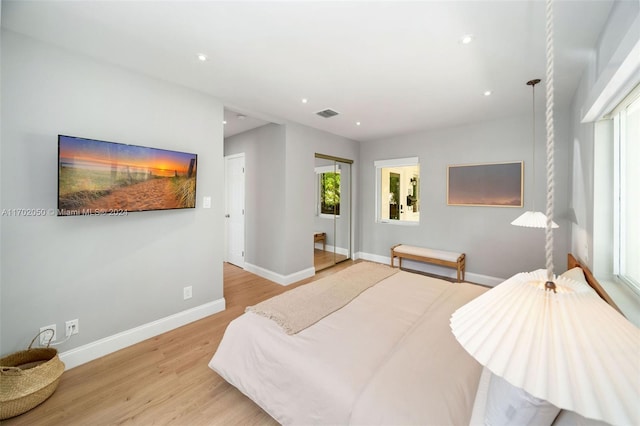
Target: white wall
column 302, row 144
column 495, row 249
column 280, row 188
column 264, row 149
column 112, row 273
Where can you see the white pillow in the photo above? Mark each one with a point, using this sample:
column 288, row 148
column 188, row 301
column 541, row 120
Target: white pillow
column 509, row 405
column 480, row 402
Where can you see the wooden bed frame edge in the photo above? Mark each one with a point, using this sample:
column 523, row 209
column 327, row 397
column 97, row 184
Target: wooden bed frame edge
column 572, row 262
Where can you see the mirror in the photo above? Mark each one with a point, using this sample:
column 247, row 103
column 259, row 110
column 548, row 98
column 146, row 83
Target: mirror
column 332, row 221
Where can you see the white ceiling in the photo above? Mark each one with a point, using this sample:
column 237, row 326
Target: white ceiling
column 237, row 122
column 397, row 67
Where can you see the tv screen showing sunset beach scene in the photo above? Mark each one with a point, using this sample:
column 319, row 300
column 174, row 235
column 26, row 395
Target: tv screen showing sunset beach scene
column 106, row 178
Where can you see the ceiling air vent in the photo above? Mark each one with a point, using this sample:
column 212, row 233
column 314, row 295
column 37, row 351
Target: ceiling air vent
column 327, row 113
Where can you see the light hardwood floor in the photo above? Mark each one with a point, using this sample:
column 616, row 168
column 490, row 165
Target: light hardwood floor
column 164, row 380
column 326, row 259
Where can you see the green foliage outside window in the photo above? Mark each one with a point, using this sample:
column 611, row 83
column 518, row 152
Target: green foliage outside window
column 330, row 193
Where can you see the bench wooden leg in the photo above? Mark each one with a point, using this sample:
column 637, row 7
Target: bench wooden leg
column 393, row 255
column 460, row 267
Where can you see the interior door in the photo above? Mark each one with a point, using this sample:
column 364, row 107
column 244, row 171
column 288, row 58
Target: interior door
column 234, row 209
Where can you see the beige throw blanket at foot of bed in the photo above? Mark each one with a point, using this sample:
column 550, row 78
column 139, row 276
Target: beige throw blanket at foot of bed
column 303, row 306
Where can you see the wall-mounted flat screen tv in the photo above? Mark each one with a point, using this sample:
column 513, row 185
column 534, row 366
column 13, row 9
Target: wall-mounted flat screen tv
column 106, row 178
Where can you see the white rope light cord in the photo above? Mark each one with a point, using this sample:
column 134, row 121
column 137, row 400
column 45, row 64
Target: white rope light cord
column 550, row 140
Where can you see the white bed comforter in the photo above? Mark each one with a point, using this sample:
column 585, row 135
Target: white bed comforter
column 388, row 357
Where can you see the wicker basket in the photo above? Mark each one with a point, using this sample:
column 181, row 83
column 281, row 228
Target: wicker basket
column 28, row 378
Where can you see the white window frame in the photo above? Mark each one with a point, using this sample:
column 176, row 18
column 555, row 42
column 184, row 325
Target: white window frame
column 378, row 166
column 620, row 189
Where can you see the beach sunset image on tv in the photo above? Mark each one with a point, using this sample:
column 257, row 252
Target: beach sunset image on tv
column 97, row 177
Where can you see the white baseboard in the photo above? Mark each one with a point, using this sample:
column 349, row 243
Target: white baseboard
column 99, row 348
column 373, row 257
column 279, row 278
column 433, row 269
column 483, row 279
column 339, row 250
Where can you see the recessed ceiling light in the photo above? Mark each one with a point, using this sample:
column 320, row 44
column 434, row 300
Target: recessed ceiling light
column 487, row 93
column 305, row 100
column 466, row 39
column 202, row 57
column 224, row 121
column 357, row 123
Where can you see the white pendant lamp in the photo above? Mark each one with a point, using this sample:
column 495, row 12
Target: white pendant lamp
column 532, row 218
column 554, row 337
column 568, row 347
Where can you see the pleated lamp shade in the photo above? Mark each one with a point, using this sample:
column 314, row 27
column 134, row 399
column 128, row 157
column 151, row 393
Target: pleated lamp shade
column 569, row 348
column 531, row 219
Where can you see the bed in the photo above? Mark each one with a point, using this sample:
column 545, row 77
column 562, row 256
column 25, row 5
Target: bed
column 386, row 357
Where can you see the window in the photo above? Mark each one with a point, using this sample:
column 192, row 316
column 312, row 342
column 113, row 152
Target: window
column 328, row 190
column 626, row 125
column 398, row 191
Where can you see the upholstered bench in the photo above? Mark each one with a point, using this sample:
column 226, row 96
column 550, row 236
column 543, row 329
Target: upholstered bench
column 437, row 257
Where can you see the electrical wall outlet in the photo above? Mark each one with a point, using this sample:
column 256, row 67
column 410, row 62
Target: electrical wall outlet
column 71, row 327
column 44, row 337
column 187, row 293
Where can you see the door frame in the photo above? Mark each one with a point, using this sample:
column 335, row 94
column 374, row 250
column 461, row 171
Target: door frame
column 226, row 208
